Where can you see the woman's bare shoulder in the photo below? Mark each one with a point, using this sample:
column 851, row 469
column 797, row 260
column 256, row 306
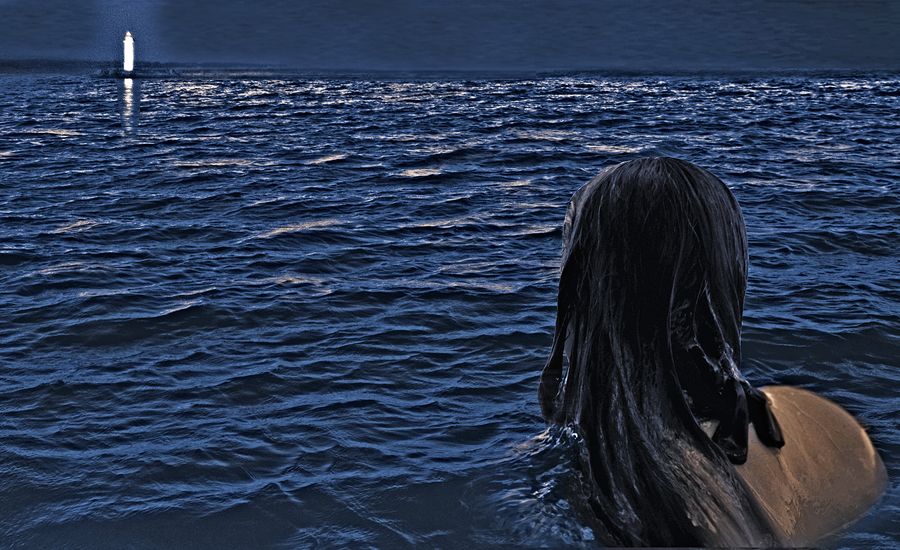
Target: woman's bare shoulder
column 826, row 475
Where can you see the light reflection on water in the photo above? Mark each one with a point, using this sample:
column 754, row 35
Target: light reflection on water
column 131, row 103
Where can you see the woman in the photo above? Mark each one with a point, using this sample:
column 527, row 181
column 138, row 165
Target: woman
column 644, row 367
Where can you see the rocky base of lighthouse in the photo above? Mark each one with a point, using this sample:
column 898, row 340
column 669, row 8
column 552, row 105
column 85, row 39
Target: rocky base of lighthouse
column 119, row 73
column 145, row 72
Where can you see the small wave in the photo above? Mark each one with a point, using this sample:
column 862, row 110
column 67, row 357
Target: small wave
column 70, row 267
column 102, row 292
column 471, row 285
column 439, row 149
column 288, row 279
column 328, row 158
column 541, row 231
column 179, row 307
column 190, row 88
column 75, row 227
column 298, row 227
column 442, row 223
column 547, row 135
column 483, row 285
column 213, row 163
column 614, row 149
column 516, row 183
column 268, row 200
column 192, row 293
column 421, row 172
column 60, row 132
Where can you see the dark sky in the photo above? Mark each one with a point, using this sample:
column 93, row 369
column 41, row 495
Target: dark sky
column 465, row 34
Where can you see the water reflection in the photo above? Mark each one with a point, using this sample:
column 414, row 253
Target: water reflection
column 130, row 103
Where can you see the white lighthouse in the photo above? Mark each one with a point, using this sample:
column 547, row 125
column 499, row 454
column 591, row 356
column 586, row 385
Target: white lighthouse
column 128, row 55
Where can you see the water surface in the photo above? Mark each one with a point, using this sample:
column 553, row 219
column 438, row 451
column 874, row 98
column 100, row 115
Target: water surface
column 286, row 312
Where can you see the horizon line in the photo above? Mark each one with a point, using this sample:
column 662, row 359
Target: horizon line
column 65, row 65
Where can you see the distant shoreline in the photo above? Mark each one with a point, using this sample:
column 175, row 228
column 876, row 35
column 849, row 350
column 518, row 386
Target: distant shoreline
column 217, row 71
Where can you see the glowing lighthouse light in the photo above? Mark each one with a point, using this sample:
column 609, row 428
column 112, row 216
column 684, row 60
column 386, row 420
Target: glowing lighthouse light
column 128, row 64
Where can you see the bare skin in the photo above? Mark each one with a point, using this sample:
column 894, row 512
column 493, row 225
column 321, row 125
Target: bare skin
column 827, row 475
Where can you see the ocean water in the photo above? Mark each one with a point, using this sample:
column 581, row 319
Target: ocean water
column 312, row 310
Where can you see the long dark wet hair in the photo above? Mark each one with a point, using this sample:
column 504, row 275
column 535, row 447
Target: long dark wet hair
column 649, row 311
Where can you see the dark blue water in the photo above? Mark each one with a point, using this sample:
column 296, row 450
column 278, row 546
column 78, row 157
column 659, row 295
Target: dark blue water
column 298, row 312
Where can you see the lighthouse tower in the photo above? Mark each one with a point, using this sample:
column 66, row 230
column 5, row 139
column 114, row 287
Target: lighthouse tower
column 128, row 54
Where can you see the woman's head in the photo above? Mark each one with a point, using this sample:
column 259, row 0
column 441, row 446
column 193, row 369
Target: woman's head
column 655, row 254
column 651, row 293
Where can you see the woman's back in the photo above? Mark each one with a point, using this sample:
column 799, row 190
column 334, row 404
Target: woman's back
column 826, row 475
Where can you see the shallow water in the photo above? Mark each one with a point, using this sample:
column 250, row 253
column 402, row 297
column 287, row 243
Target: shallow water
column 313, row 311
